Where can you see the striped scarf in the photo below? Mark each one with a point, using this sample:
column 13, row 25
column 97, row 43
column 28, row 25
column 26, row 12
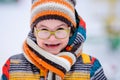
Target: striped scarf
column 56, row 66
column 47, row 62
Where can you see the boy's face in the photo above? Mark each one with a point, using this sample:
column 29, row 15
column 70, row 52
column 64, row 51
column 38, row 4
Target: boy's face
column 52, row 35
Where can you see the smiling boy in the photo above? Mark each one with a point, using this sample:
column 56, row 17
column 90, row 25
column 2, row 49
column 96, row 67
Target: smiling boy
column 53, row 48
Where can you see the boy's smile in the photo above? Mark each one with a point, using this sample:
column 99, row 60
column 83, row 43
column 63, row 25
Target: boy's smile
column 52, row 45
column 52, row 35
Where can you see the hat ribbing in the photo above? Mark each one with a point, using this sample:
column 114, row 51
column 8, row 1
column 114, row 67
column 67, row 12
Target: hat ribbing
column 53, row 9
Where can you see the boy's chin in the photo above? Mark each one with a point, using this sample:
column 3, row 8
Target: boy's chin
column 54, row 52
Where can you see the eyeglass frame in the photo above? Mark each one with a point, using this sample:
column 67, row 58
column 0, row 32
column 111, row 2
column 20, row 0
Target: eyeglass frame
column 52, row 33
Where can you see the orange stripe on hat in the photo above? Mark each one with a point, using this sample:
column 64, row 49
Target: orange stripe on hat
column 63, row 2
column 48, row 12
column 65, row 9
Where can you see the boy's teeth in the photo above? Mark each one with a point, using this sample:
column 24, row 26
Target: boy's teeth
column 52, row 44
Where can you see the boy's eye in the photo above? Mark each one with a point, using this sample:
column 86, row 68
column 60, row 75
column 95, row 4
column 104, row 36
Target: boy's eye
column 44, row 29
column 60, row 29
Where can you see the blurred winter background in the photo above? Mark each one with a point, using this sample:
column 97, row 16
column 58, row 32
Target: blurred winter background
column 103, row 30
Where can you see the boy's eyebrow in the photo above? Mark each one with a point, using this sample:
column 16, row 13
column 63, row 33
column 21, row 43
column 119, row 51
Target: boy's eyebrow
column 56, row 26
column 43, row 25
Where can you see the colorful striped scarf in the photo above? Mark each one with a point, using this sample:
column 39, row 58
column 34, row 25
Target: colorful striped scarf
column 56, row 66
column 59, row 64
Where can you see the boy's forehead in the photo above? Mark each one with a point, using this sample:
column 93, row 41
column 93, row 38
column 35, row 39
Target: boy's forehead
column 51, row 23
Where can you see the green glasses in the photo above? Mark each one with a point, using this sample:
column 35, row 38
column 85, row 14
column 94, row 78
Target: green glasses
column 59, row 34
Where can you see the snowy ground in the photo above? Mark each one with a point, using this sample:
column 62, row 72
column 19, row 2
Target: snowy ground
column 14, row 24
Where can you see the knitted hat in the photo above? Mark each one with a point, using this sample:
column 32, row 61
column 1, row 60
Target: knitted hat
column 53, row 9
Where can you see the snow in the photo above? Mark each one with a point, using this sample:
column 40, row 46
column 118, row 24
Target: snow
column 14, row 24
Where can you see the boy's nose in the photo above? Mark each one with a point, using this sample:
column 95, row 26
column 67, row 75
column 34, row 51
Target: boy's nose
column 52, row 38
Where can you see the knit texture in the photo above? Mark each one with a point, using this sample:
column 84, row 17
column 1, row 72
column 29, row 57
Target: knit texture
column 18, row 67
column 69, row 64
column 53, row 9
column 48, row 62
